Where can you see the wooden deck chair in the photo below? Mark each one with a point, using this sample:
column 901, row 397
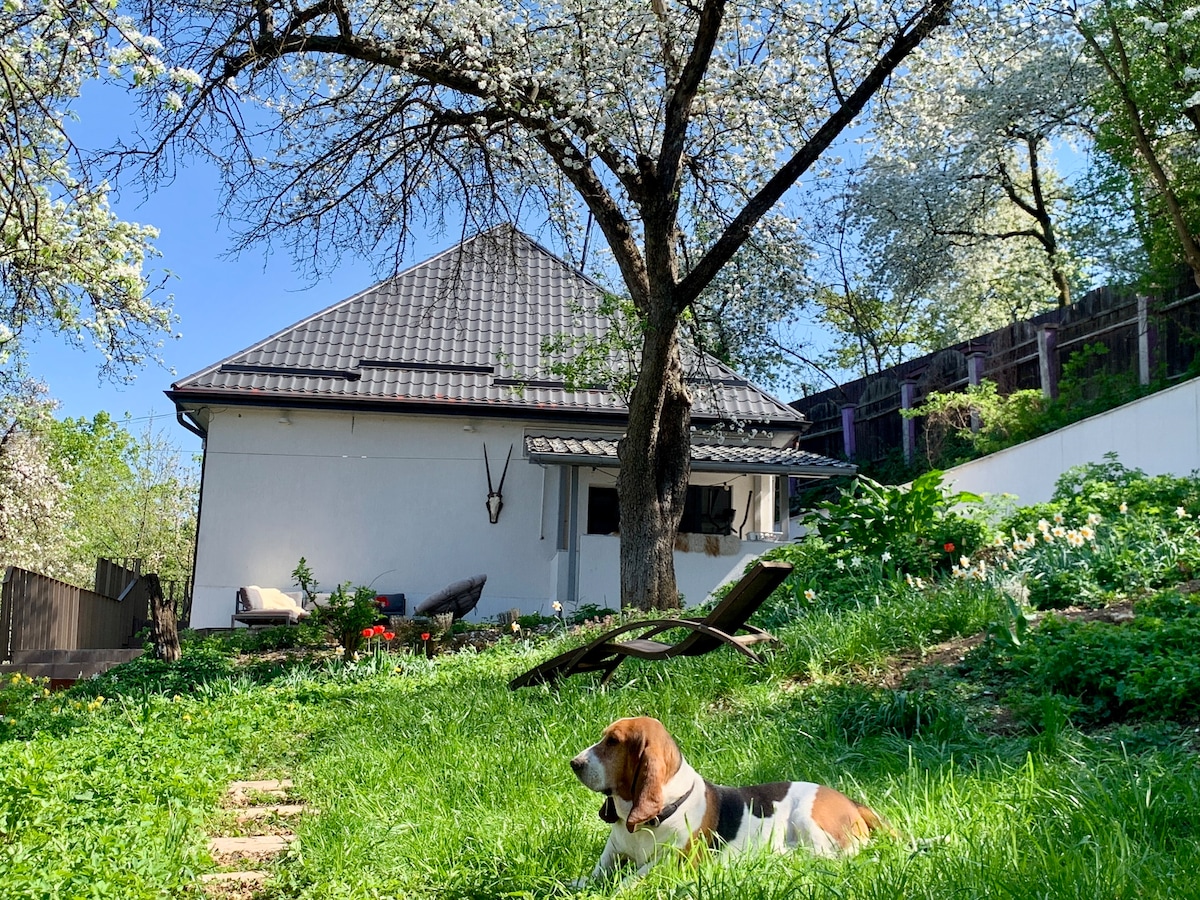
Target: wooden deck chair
column 718, row 628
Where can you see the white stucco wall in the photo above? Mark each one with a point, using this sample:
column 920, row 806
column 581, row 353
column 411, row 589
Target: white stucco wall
column 371, row 499
column 1159, row 434
column 398, row 503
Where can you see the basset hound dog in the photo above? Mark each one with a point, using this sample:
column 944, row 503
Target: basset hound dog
column 659, row 805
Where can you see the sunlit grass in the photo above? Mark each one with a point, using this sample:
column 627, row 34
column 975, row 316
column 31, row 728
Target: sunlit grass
column 430, row 779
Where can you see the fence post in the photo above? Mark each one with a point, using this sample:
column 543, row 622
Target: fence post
column 1047, row 337
column 908, row 427
column 1144, row 339
column 848, row 430
column 975, row 360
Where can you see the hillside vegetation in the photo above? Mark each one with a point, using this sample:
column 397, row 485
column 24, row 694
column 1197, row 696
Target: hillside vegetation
column 1017, row 693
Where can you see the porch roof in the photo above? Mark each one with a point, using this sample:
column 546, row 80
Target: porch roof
column 731, row 456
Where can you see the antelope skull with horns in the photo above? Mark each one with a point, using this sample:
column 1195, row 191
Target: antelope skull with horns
column 495, row 498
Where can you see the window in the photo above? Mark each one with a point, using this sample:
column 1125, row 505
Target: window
column 603, row 516
column 707, row 510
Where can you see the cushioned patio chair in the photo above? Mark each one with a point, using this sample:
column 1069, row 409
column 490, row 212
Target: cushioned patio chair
column 717, row 629
column 458, row 598
column 258, row 606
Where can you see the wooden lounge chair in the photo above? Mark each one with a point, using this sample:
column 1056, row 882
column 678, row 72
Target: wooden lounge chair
column 718, row 628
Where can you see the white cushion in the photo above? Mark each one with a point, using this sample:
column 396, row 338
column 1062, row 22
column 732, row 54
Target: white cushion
column 272, row 599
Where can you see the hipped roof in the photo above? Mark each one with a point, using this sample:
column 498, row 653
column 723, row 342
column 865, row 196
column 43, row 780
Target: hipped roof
column 463, row 332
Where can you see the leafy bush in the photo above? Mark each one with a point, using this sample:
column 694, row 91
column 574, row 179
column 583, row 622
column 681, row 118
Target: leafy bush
column 1107, row 528
column 346, row 614
column 964, row 425
column 1145, row 669
column 919, row 530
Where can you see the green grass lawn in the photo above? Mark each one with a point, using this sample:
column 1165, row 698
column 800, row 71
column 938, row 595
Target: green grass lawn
column 429, row 778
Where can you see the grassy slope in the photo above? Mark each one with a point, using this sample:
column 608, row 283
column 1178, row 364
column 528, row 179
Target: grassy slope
column 439, row 782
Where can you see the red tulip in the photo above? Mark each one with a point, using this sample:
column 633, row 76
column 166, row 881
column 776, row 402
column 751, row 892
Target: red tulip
column 388, row 635
column 948, row 546
column 368, row 632
column 378, row 629
column 425, row 636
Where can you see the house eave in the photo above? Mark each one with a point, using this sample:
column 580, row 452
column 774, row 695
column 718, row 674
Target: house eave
column 185, row 399
column 729, row 468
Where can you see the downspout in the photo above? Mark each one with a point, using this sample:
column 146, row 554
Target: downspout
column 188, row 425
column 573, row 538
column 199, row 501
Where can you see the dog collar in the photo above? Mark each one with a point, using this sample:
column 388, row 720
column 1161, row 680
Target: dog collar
column 667, row 811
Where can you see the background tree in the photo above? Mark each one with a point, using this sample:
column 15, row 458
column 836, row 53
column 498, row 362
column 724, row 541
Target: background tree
column 129, row 495
column 962, row 172
column 32, row 511
column 1148, row 111
column 68, row 265
column 675, row 126
column 74, row 490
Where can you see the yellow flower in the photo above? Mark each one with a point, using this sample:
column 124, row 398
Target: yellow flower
column 810, row 595
column 1122, row 509
column 1058, row 518
column 1087, row 533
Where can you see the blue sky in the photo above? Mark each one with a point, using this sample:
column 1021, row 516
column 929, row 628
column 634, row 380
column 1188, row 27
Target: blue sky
column 224, row 305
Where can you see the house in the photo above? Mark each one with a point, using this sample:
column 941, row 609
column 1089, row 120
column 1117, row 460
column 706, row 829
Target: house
column 368, row 437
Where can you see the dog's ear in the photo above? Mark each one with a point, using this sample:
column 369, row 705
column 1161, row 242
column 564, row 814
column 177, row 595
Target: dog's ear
column 608, row 811
column 658, row 758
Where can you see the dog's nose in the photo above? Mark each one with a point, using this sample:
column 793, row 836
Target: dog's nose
column 578, row 763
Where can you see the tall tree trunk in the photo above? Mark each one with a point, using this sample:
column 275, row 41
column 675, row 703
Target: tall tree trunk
column 655, row 460
column 165, row 629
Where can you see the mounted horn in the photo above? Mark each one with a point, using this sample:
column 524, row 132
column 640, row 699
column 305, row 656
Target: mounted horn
column 495, row 498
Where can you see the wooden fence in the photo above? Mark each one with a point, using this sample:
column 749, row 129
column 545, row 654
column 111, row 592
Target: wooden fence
column 41, row 613
column 1145, row 338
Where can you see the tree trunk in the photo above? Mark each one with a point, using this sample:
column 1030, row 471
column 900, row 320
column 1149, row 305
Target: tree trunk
column 655, row 465
column 165, row 636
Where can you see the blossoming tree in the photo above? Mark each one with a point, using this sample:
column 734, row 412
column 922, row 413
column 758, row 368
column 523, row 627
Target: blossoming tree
column 962, row 173
column 68, row 264
column 675, row 126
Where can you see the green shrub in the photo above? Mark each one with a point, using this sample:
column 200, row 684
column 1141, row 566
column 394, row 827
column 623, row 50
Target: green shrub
column 346, row 614
column 1144, row 670
column 964, row 425
column 919, row 530
column 1139, row 533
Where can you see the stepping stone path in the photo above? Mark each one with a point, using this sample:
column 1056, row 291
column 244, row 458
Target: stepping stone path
column 261, row 817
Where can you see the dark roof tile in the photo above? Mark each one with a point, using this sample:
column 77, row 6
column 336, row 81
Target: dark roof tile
column 485, row 306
